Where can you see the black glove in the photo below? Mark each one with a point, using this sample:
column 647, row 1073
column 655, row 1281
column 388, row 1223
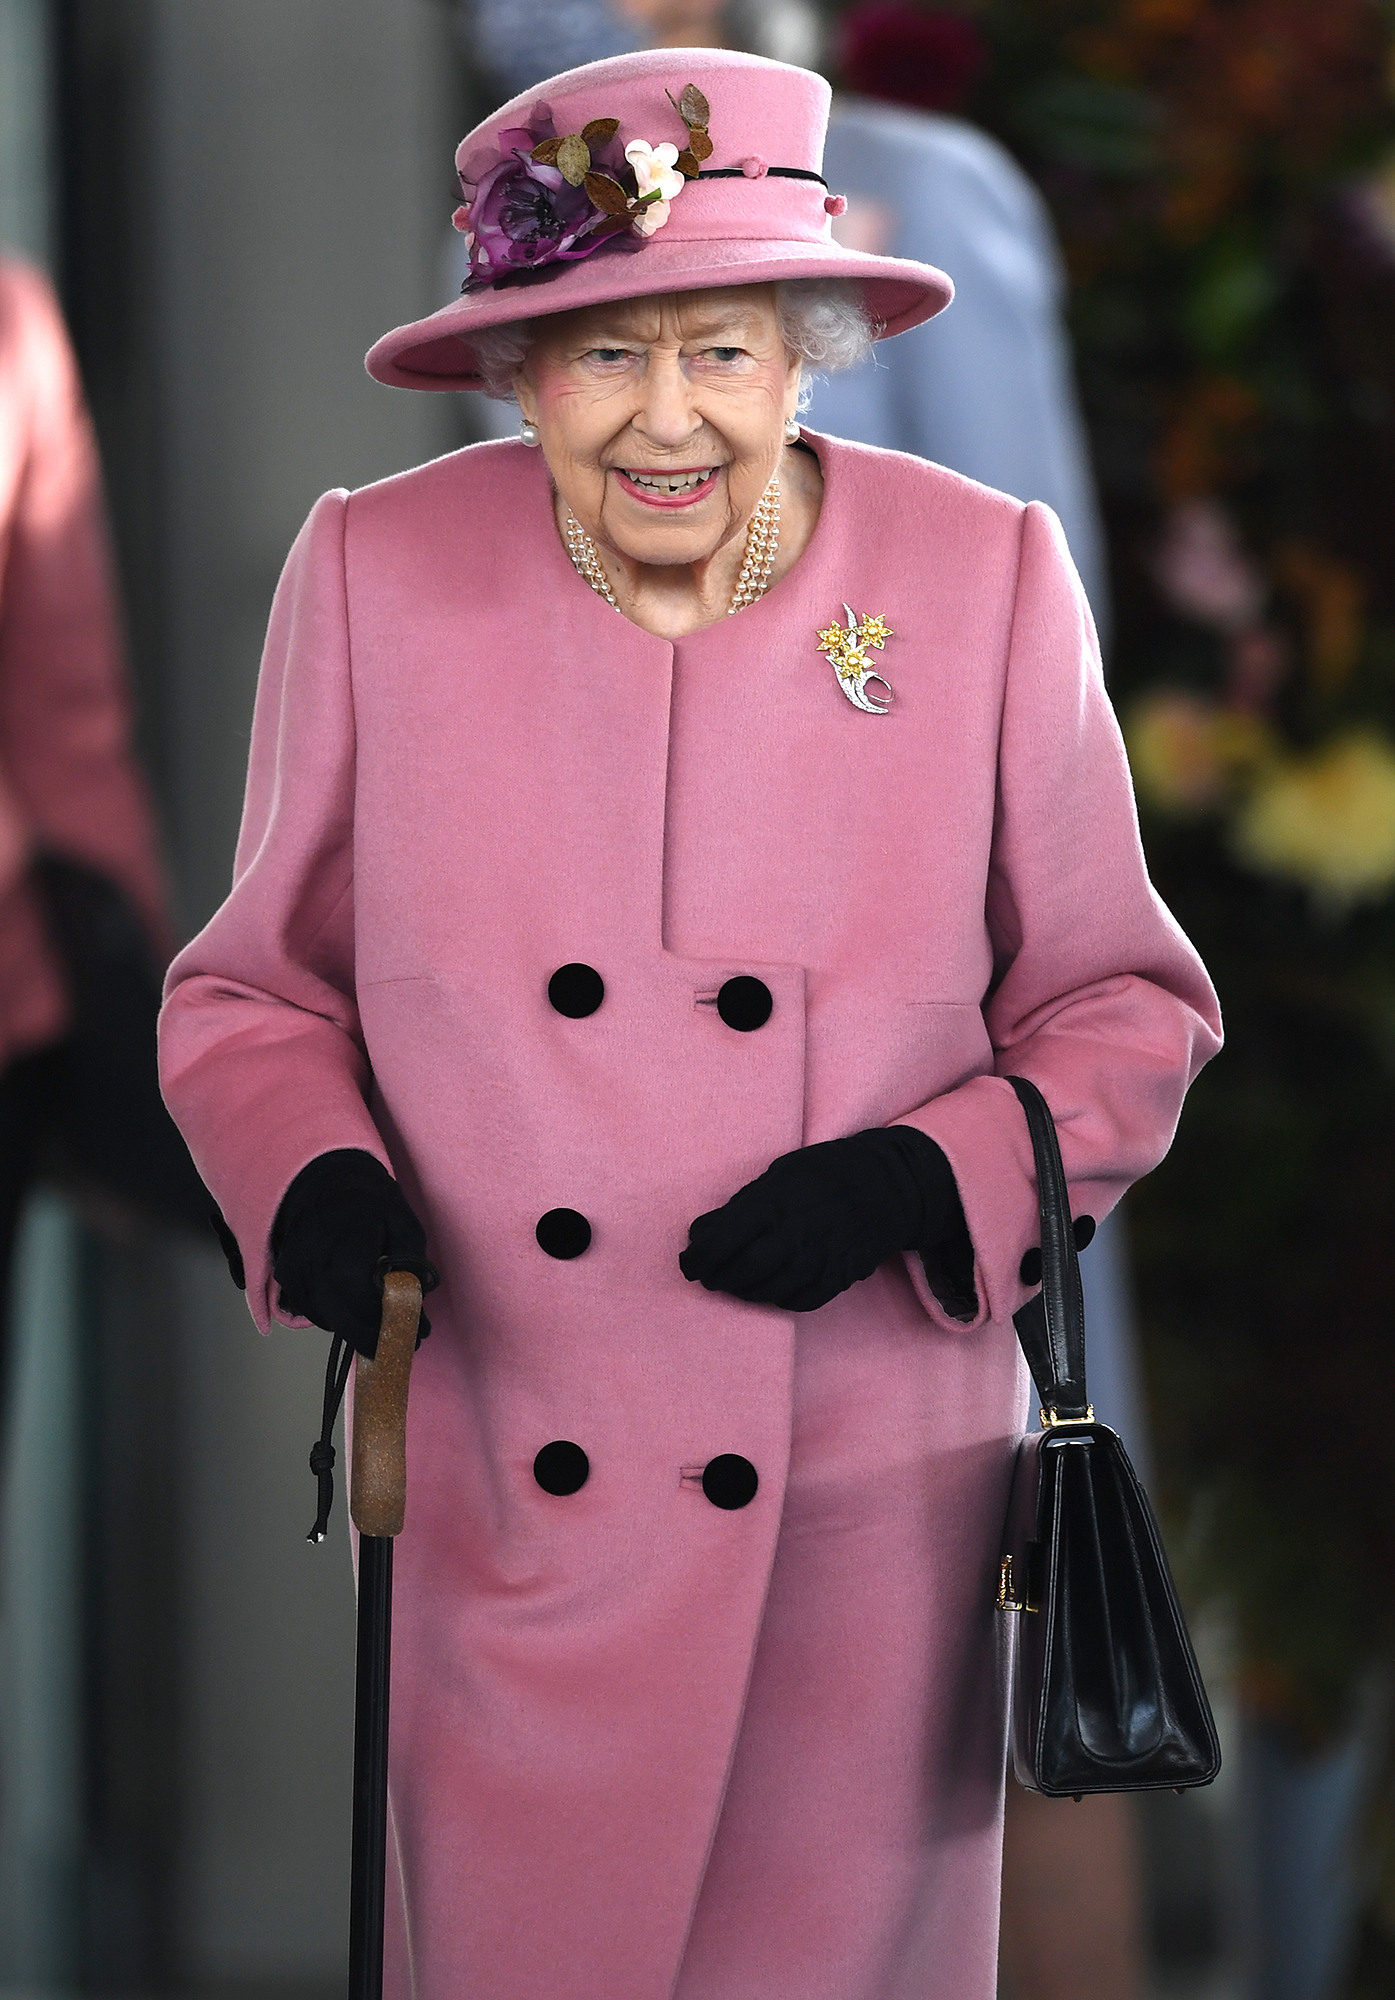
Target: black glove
column 818, row 1220
column 342, row 1222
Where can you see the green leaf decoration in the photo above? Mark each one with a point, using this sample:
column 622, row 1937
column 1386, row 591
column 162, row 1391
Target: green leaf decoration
column 608, row 195
column 574, row 159
column 599, row 130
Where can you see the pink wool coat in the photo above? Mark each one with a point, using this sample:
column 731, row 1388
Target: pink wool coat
column 644, row 1746
column 67, row 777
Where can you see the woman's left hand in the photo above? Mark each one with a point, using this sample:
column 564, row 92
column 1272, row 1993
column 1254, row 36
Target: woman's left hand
column 819, row 1219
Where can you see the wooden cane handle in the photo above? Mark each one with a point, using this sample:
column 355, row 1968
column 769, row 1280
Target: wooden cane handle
column 378, row 1478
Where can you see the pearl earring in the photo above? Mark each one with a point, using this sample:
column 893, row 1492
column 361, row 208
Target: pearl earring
column 528, row 432
column 792, row 430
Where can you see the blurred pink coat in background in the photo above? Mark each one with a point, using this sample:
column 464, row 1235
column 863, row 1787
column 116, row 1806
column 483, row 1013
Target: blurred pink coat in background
column 67, row 781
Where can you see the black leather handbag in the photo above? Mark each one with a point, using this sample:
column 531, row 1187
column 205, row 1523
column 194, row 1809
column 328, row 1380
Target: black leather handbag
column 1106, row 1692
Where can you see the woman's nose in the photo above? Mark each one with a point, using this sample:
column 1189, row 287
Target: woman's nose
column 666, row 415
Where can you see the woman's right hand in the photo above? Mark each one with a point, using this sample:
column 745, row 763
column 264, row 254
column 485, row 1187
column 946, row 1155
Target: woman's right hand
column 342, row 1223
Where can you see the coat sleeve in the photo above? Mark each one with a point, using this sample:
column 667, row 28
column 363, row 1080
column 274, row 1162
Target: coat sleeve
column 1096, row 995
column 262, row 1059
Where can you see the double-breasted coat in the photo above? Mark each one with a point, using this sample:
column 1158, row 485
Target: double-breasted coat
column 645, row 1745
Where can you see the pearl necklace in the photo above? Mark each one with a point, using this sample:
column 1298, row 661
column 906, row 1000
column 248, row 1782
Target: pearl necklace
column 762, row 544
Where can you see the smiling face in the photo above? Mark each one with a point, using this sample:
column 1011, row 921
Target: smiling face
column 662, row 420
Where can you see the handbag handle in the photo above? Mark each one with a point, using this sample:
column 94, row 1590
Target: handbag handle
column 1051, row 1327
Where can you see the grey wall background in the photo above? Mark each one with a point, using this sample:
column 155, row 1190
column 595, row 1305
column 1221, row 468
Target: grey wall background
column 301, row 164
column 24, row 184
column 303, row 177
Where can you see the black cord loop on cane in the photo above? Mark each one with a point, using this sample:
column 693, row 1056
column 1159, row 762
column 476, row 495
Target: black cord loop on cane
column 322, row 1453
column 341, row 1360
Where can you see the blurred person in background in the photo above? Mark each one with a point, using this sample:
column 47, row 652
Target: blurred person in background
column 509, row 37
column 990, row 392
column 533, row 699
column 987, row 390
column 84, row 927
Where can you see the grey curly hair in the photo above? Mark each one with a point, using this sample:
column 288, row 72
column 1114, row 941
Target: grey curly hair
column 823, row 321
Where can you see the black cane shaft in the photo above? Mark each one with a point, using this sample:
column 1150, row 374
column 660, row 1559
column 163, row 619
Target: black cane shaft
column 367, row 1867
column 377, row 1503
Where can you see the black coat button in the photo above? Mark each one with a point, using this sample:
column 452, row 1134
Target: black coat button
column 1083, row 1230
column 561, row 1467
column 730, row 1481
column 576, row 990
column 563, row 1233
column 744, row 1003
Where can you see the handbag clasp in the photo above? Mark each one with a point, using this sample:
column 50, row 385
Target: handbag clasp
column 1051, row 1422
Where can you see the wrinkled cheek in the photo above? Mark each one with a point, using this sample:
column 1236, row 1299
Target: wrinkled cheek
column 578, row 423
column 572, row 441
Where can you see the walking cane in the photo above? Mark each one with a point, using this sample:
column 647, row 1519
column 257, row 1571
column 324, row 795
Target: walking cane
column 377, row 1504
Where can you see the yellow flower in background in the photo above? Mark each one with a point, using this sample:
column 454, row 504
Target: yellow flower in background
column 1326, row 820
column 1186, row 752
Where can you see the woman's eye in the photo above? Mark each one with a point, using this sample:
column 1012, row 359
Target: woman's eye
column 609, row 355
column 725, row 354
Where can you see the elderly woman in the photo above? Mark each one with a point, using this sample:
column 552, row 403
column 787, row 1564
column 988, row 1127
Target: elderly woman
column 664, row 835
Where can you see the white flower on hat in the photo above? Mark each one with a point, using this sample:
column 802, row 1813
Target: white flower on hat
column 656, row 167
column 649, row 218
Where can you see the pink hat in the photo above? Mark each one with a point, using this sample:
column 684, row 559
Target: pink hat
column 668, row 171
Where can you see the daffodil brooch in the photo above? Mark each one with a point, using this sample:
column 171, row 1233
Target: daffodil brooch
column 847, row 647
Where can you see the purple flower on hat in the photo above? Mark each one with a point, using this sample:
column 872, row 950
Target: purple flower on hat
column 524, row 214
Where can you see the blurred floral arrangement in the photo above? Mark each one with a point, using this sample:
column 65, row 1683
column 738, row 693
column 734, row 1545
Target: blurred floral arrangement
column 1320, row 814
column 1222, row 175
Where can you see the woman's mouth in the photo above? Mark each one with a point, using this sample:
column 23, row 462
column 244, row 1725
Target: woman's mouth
column 668, row 489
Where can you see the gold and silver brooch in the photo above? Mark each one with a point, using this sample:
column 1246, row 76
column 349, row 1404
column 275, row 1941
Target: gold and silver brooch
column 847, row 648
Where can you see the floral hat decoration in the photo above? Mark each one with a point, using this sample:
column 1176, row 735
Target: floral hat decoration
column 559, row 199
column 670, row 170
